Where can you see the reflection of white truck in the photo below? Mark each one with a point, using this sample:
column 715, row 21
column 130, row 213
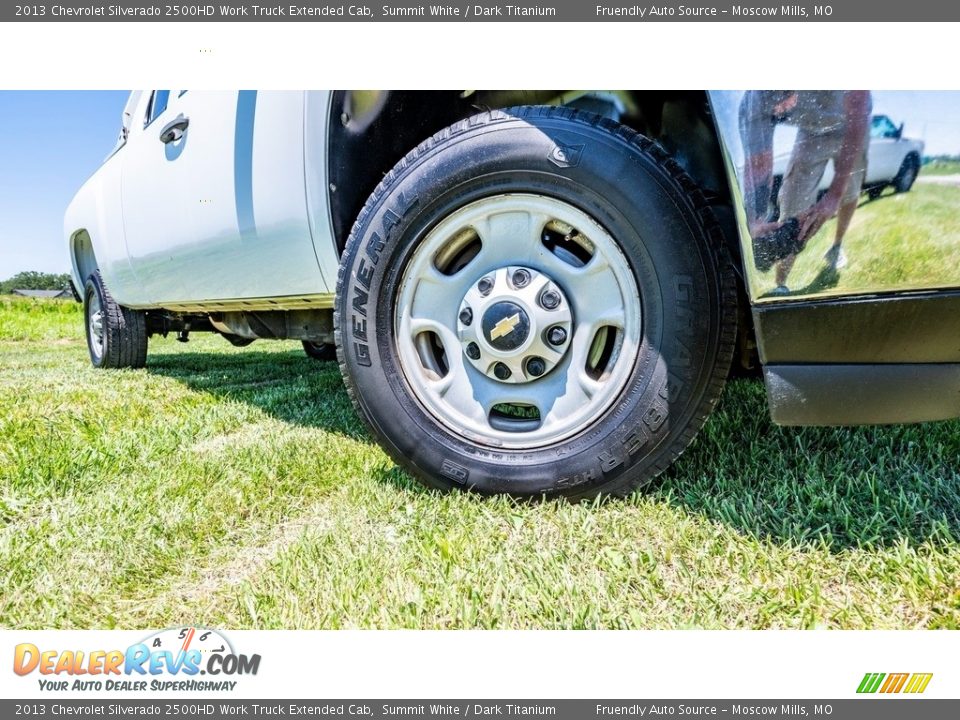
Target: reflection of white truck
column 891, row 158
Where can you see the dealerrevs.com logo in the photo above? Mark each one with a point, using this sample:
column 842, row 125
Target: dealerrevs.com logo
column 172, row 659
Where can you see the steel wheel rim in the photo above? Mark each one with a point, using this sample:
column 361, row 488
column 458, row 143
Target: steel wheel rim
column 598, row 293
column 95, row 324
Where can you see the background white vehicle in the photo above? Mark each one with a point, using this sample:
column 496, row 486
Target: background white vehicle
column 892, row 160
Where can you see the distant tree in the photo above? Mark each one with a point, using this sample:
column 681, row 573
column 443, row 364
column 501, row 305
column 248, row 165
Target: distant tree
column 943, row 157
column 33, row 280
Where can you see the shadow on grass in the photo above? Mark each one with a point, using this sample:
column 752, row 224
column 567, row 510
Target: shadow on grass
column 287, row 385
column 842, row 487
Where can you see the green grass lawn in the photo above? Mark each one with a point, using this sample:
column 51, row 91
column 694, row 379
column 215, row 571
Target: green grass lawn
column 910, row 239
column 236, row 488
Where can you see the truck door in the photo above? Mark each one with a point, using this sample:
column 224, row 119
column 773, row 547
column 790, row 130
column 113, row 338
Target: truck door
column 214, row 203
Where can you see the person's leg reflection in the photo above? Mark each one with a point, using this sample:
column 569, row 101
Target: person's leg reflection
column 783, row 270
column 798, row 192
column 835, row 256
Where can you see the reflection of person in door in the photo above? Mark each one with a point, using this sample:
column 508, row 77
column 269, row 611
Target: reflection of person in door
column 831, row 126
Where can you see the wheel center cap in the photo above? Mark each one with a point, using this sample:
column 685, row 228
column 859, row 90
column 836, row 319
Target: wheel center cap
column 506, row 325
column 514, row 324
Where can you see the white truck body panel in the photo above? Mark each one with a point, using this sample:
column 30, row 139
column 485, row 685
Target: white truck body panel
column 218, row 216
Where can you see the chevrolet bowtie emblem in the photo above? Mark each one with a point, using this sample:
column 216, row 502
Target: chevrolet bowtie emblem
column 504, row 327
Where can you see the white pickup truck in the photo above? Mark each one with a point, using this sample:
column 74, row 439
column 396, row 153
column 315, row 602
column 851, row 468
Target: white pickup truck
column 892, row 160
column 536, row 293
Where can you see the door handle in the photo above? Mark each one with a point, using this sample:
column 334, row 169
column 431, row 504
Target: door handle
column 174, row 129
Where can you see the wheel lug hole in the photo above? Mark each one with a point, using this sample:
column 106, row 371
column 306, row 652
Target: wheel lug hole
column 473, row 351
column 556, row 335
column 536, row 367
column 485, row 285
column 550, row 300
column 501, row 371
column 466, row 316
column 521, row 278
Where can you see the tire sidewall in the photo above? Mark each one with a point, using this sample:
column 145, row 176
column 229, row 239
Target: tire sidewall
column 909, row 169
column 658, row 229
column 92, row 287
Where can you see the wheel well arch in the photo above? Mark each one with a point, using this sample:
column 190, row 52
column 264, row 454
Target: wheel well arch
column 83, row 256
column 370, row 131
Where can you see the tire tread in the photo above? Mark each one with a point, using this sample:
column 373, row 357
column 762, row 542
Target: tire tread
column 125, row 330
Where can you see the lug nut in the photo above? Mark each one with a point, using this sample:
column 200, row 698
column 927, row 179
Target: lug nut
column 473, row 352
column 536, row 367
column 501, row 371
column 466, row 316
column 521, row 278
column 550, row 299
column 556, row 335
column 485, row 286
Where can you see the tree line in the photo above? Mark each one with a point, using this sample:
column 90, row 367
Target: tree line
column 33, row 280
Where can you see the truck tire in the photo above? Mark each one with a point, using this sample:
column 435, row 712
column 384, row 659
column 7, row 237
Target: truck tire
column 116, row 335
column 907, row 174
column 320, row 351
column 537, row 302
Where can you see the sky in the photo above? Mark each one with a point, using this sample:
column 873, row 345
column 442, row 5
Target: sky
column 50, row 143
column 933, row 117
column 53, row 141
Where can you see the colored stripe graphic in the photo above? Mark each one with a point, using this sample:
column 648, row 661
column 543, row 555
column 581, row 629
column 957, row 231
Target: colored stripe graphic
column 870, row 682
column 894, row 683
column 918, row 683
